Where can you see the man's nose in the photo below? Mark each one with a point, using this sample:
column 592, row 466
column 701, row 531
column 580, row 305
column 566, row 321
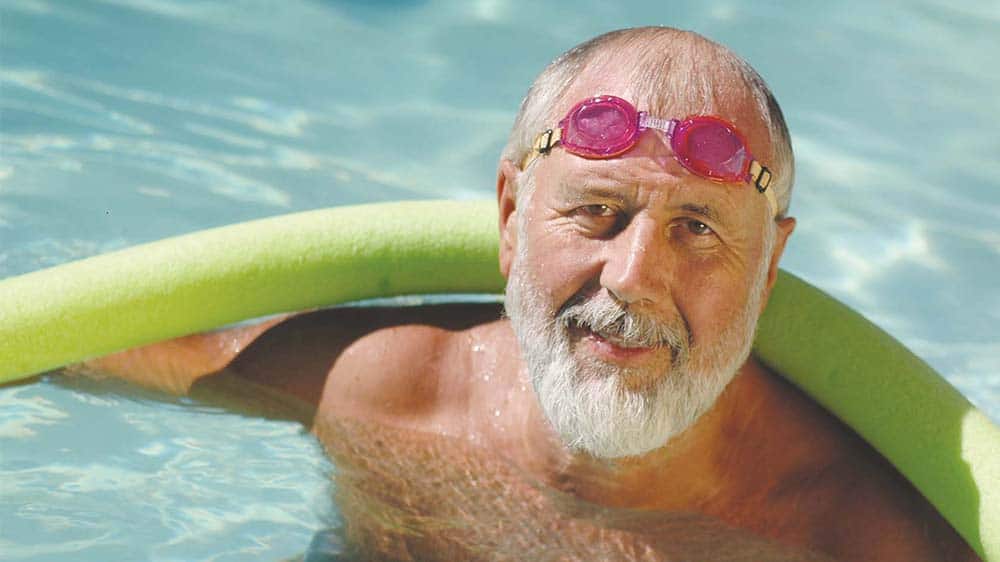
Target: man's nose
column 637, row 264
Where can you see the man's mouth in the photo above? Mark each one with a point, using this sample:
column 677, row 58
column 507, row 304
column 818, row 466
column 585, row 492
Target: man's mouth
column 609, row 346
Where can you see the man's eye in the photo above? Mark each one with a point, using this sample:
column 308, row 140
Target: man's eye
column 597, row 219
column 597, row 210
column 699, row 228
column 694, row 234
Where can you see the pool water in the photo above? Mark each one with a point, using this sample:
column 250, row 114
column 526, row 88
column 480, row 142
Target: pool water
column 125, row 121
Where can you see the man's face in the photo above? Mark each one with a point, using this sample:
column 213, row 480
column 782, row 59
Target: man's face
column 634, row 289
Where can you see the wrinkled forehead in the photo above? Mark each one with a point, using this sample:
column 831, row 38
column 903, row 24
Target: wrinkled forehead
column 676, row 87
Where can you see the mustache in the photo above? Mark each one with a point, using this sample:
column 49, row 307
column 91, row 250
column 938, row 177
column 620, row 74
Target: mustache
column 614, row 320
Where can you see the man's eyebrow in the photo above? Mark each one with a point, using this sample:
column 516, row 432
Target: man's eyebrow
column 591, row 191
column 703, row 210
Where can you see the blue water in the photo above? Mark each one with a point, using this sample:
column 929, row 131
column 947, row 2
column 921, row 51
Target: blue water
column 125, row 121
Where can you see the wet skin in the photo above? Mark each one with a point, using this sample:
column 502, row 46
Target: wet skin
column 442, row 448
column 426, row 412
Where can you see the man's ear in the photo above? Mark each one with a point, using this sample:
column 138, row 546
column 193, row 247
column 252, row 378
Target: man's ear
column 507, row 177
column 785, row 227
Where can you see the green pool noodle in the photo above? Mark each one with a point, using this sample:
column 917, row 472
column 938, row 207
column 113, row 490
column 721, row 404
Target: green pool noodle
column 201, row 281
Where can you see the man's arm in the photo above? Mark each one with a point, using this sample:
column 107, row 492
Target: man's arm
column 292, row 353
column 174, row 365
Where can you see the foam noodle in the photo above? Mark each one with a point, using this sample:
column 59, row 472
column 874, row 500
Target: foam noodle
column 208, row 279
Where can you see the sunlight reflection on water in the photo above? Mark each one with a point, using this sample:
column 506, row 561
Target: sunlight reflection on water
column 148, row 118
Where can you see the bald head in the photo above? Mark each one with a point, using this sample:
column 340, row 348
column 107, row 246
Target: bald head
column 671, row 74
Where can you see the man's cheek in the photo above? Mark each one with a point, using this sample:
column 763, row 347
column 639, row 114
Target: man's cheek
column 707, row 310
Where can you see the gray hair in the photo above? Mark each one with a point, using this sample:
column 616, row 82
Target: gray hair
column 668, row 67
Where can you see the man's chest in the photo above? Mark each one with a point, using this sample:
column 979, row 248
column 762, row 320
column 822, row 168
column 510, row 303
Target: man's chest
column 411, row 494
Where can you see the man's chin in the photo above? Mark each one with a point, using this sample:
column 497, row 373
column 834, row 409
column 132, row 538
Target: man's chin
column 592, row 410
column 610, row 411
column 638, row 373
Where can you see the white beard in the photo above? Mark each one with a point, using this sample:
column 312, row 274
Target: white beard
column 586, row 401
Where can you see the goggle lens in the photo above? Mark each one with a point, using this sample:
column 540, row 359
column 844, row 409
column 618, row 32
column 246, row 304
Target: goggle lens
column 600, row 127
column 711, row 147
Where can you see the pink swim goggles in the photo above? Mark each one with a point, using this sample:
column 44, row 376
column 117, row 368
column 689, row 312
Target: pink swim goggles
column 606, row 126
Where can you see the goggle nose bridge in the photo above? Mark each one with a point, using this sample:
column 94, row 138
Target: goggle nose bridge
column 648, row 122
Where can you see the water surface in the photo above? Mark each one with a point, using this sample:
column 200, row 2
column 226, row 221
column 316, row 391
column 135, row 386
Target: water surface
column 125, row 121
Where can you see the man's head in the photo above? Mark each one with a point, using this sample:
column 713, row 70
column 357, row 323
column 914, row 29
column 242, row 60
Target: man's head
column 634, row 285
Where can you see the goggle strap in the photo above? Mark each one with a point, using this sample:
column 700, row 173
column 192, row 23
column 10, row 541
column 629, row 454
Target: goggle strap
column 760, row 177
column 544, row 143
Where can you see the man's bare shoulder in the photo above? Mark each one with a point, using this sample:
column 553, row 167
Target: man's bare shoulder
column 407, row 365
column 820, row 473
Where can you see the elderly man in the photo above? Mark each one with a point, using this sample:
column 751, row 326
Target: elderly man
column 618, row 412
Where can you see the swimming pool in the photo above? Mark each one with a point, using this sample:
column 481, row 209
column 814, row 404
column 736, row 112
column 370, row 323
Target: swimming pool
column 125, row 121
